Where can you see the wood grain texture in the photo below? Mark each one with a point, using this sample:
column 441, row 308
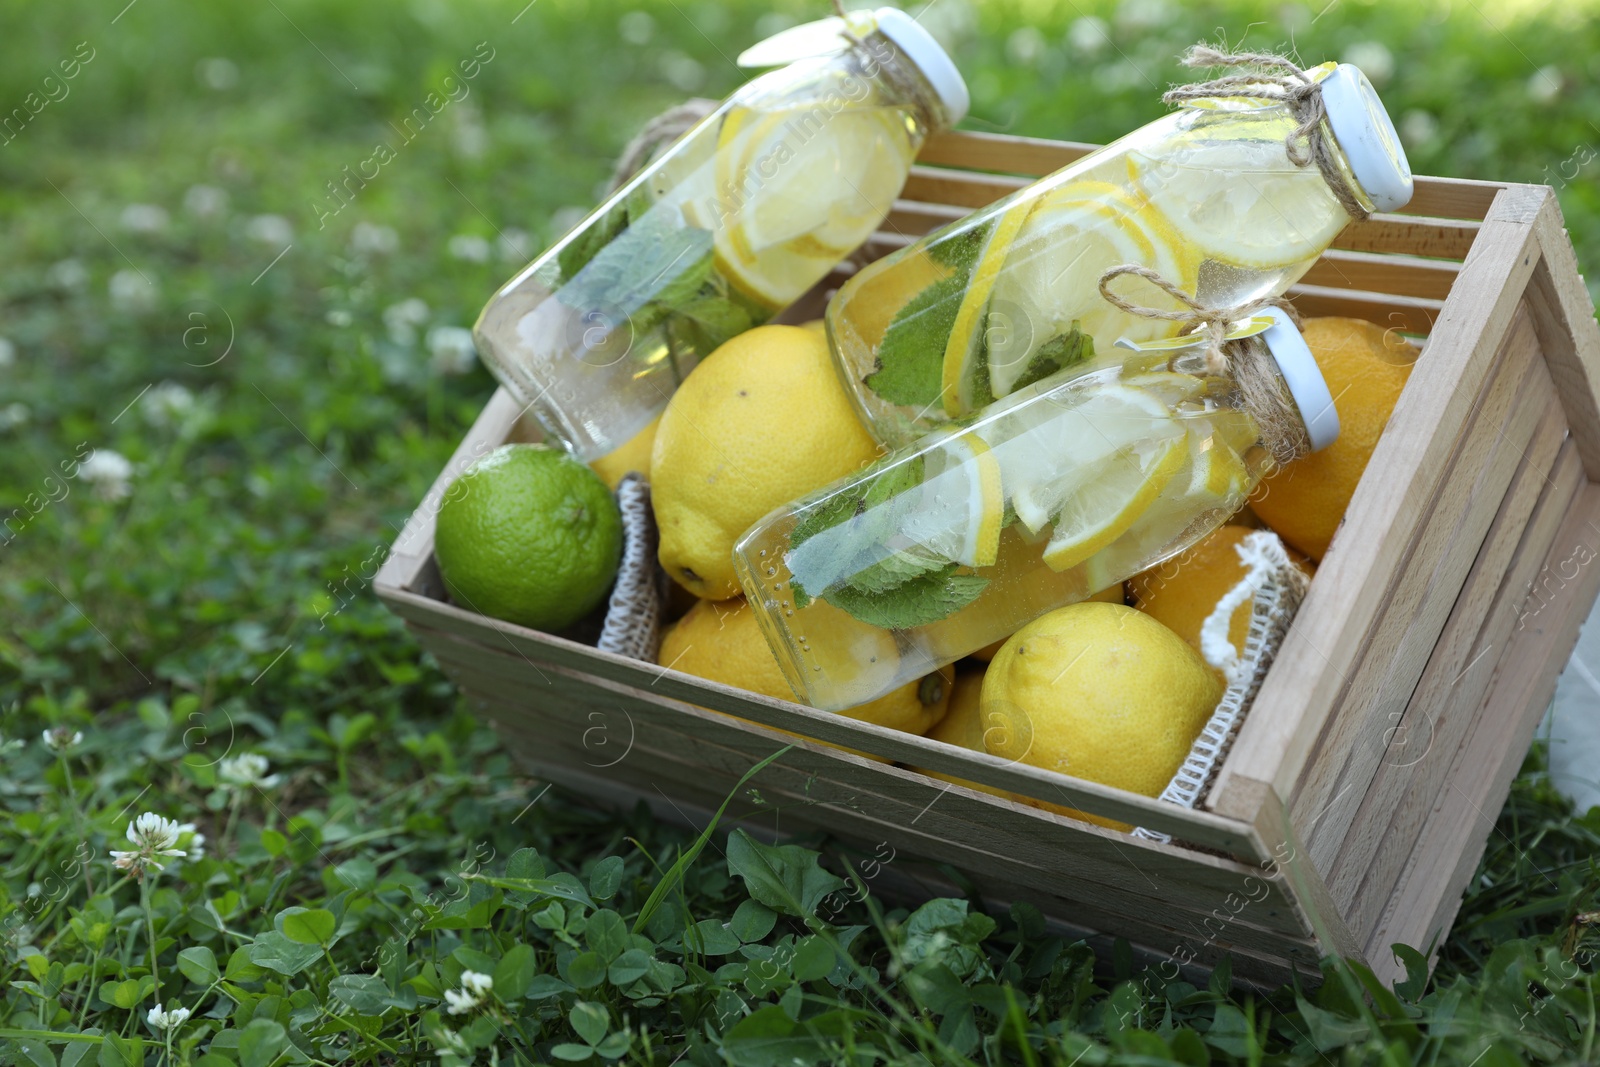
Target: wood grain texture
column 541, row 651
column 1429, row 895
column 1351, row 592
column 1564, row 318
column 678, row 754
column 1442, row 714
column 1430, row 279
column 1452, row 526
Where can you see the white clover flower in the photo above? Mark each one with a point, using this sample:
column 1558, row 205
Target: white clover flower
column 68, row 274
column 1025, row 46
column 108, row 472
column 132, row 292
column 1088, row 35
column 637, row 27
column 61, row 738
column 682, row 70
column 1374, row 59
column 459, row 1002
column 450, row 349
column 154, row 838
column 515, row 245
column 475, row 986
column 469, row 247
column 467, row 135
column 205, row 201
column 339, row 317
column 14, row 414
column 8, row 352
column 1545, row 84
column 452, row 1044
column 166, row 1020
column 270, row 230
column 402, row 320
column 217, row 73
column 1136, row 16
column 144, row 218
column 248, row 770
column 1418, row 127
column 368, row 239
column 196, row 845
column 167, row 404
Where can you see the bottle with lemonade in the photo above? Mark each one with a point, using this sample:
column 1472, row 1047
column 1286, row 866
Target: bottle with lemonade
column 747, row 211
column 1231, row 199
column 1058, row 491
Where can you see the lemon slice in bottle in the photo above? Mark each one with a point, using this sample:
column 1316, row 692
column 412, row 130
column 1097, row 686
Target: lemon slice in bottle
column 1050, row 283
column 1170, row 387
column 962, row 509
column 1239, row 200
column 1049, row 448
column 1107, row 506
column 966, row 344
column 778, row 172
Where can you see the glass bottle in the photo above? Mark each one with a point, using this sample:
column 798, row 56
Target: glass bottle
column 742, row 215
column 1206, row 196
column 1047, row 497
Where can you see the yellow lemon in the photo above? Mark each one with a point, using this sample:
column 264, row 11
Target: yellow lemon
column 1182, row 592
column 1114, row 595
column 762, row 421
column 1099, row 692
column 721, row 641
column 1365, row 366
column 630, row 458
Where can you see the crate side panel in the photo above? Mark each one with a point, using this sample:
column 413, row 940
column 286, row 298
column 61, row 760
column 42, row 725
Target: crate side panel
column 1147, row 901
column 603, row 722
column 1425, row 903
column 1401, row 639
column 1330, row 634
column 540, row 652
column 1424, row 739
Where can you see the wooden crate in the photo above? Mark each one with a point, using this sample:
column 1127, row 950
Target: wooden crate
column 1356, row 802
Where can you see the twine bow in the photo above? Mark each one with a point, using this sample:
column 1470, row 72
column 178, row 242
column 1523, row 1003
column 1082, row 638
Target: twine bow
column 1279, row 78
column 1245, row 361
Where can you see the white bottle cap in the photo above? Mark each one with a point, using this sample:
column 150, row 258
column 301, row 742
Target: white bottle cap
column 1367, row 136
column 932, row 60
column 1303, row 377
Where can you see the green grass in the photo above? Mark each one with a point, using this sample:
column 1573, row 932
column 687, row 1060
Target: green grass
column 223, row 605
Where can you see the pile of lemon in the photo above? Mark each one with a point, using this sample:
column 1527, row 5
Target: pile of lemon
column 1113, row 690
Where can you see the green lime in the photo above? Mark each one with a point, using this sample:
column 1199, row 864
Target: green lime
column 530, row 535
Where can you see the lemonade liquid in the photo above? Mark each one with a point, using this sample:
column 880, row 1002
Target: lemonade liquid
column 742, row 215
column 1047, row 497
column 1206, row 196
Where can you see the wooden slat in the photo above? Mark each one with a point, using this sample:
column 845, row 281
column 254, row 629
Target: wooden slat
column 845, row 794
column 1441, row 714
column 1426, row 902
column 1352, row 587
column 1004, row 153
column 1408, row 314
column 1447, row 238
column 539, row 650
column 1370, row 272
column 557, row 683
column 1454, row 523
column 1564, row 318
